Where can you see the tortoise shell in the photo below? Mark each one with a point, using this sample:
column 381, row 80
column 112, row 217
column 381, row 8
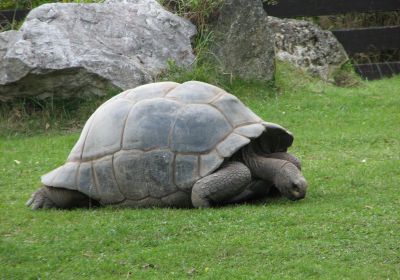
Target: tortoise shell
column 148, row 145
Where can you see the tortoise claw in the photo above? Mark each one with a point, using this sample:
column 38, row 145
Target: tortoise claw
column 40, row 200
column 29, row 202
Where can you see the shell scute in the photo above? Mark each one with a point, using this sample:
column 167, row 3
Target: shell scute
column 149, row 123
column 104, row 134
column 195, row 92
column 210, row 162
column 231, row 144
column 198, row 128
column 156, row 90
column 186, row 171
column 235, row 111
column 85, row 180
column 128, row 174
column 105, row 181
column 141, row 174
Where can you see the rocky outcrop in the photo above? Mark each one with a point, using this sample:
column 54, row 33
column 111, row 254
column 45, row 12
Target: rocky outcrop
column 64, row 50
column 243, row 43
column 307, row 46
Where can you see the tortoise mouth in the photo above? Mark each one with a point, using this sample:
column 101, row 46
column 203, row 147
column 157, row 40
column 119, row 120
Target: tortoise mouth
column 296, row 191
column 296, row 195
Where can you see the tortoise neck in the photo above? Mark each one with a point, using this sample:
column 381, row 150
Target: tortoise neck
column 260, row 166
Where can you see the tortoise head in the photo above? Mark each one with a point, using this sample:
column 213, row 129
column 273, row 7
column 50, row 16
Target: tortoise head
column 290, row 182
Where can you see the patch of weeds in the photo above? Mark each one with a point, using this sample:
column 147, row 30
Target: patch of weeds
column 345, row 76
column 200, row 12
column 200, row 71
column 29, row 116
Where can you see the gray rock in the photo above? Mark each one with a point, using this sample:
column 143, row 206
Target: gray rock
column 243, row 43
column 71, row 49
column 307, row 46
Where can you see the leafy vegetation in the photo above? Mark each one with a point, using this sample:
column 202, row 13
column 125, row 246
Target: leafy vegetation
column 346, row 228
column 29, row 116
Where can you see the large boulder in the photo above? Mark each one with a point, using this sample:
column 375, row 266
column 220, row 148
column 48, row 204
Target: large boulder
column 64, row 50
column 243, row 44
column 306, row 46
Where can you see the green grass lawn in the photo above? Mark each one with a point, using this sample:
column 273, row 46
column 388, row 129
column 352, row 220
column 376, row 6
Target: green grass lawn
column 348, row 227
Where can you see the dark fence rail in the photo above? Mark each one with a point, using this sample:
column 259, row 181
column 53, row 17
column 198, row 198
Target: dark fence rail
column 295, row 8
column 369, row 39
column 378, row 70
column 11, row 15
column 355, row 40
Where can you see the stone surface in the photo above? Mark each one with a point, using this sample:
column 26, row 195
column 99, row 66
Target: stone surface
column 243, row 43
column 307, row 46
column 82, row 49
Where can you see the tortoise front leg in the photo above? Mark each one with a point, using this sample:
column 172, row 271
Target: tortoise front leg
column 50, row 197
column 221, row 185
column 256, row 190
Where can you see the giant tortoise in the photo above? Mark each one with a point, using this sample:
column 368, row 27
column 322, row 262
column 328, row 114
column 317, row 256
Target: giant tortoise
column 173, row 145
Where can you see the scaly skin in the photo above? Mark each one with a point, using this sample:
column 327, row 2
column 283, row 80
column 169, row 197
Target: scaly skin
column 282, row 173
column 221, row 185
column 285, row 156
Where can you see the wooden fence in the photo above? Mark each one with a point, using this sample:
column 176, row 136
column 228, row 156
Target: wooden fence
column 355, row 40
column 8, row 16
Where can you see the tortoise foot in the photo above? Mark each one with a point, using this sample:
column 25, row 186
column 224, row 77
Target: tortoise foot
column 40, row 199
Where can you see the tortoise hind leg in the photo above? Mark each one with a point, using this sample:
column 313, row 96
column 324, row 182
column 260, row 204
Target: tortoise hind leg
column 221, row 185
column 50, row 197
